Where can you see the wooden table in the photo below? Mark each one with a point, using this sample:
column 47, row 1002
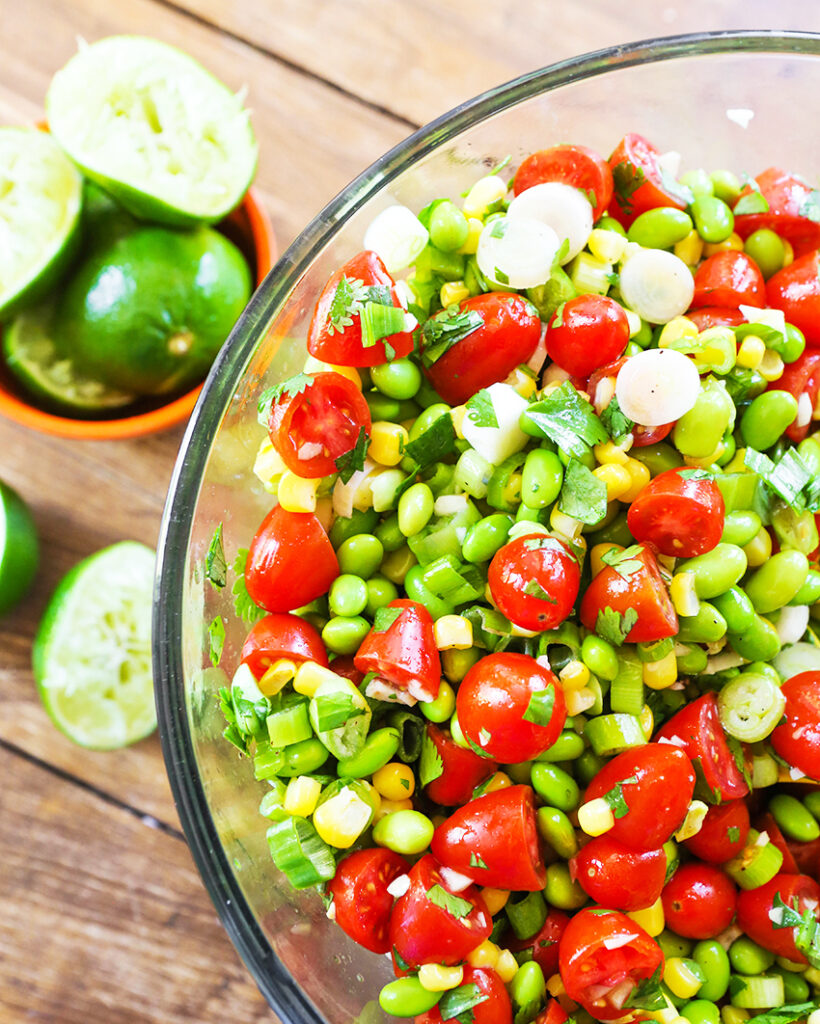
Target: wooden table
column 103, row 919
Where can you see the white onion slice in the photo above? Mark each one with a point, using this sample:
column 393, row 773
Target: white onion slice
column 805, row 410
column 657, row 386
column 450, row 504
column 397, row 235
column 344, row 494
column 792, row 622
column 564, row 208
column 454, row 880
column 517, row 252
column 656, row 285
column 800, row 657
column 399, row 886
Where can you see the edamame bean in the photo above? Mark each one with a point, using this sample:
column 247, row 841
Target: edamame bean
column 406, row 832
column 567, row 747
column 347, row 595
column 767, row 250
column 397, row 565
column 599, row 657
column 426, row 419
column 358, row 522
column 766, row 418
column 701, row 1011
column 660, row 228
column 673, row 945
column 379, row 748
column 440, row 709
column 448, row 226
column 726, row 186
column 699, row 431
column 706, row 626
column 360, row 555
column 714, row 960
column 555, row 786
column 795, row 987
column 588, row 765
column 607, row 223
column 417, row 590
column 399, row 379
column 528, row 984
column 693, row 661
column 758, row 642
column 794, row 346
column 407, row 997
column 382, row 407
column 541, row 478
column 561, row 891
column 736, row 609
column 748, row 958
column 556, row 828
column 486, row 537
column 716, row 570
column 713, row 218
column 415, row 509
column 303, row 758
column 616, row 532
column 794, row 820
column 380, row 592
column 698, row 181
column 658, row 457
column 740, row 526
column 456, row 664
column 343, row 634
column 388, row 533
column 812, row 802
column 776, row 582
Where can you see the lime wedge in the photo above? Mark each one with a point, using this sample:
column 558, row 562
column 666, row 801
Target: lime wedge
column 150, row 125
column 40, row 201
column 49, row 377
column 18, row 548
column 92, row 652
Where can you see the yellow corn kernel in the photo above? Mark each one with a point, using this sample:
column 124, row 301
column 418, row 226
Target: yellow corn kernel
column 595, row 817
column 522, row 382
column 693, row 821
column 309, row 676
column 277, row 676
column 579, row 701
column 486, row 192
column 302, row 795
column 564, row 524
column 548, row 389
column 485, row 955
column 609, row 452
column 390, row 806
column 676, row 330
column 596, row 555
column 498, row 781
column 438, row 978
column 453, row 292
column 506, row 966
column 555, row 986
column 733, row 1015
column 734, row 241
column 707, row 460
column 651, row 919
column 689, row 249
column 269, row 466
column 647, row 721
column 453, row 631
column 296, row 493
column 495, row 899
column 658, row 675
column 617, row 480
column 683, row 594
column 457, row 415
column 640, row 476
column 679, row 978
column 314, row 365
column 342, row 819
column 751, row 351
column 474, row 228
column 771, row 366
column 759, row 548
column 324, row 511
column 788, row 252
column 395, row 781
column 387, row 442
column 606, row 245
column 574, row 675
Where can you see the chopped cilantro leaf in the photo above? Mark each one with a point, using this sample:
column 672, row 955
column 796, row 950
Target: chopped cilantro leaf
column 583, row 495
column 446, row 329
column 733, row 833
column 476, row 861
column 615, row 797
column 458, row 1003
column 627, row 179
column 216, row 568
column 614, row 627
column 287, row 389
column 246, row 609
column 648, row 994
column 480, row 409
column 616, row 424
column 352, row 461
column 347, row 301
column 786, row 1014
column 430, row 764
column 534, row 589
column 696, row 474
column 806, row 925
column 501, row 277
column 540, row 707
column 436, row 443
column 216, row 638
column 567, row 419
column 384, row 618
column 334, row 709
column 454, row 905
column 752, row 202
column 625, row 562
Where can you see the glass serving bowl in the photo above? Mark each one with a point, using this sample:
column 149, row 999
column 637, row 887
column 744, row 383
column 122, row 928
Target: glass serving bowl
column 740, row 100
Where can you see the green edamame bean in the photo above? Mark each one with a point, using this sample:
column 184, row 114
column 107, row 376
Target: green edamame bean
column 588, row 765
column 528, row 984
column 456, row 664
column 407, row 997
column 440, row 709
column 736, row 609
column 698, row 181
column 657, row 457
column 380, row 592
column 379, row 748
column 417, row 590
column 449, row 265
column 441, row 478
column 776, row 582
column 693, row 661
column 607, row 223
column 343, row 634
column 716, row 570
column 586, row 458
column 347, row 595
column 713, row 218
column 726, row 186
column 748, row 958
column 360, row 555
column 406, row 832
column 758, row 642
column 729, row 450
column 561, row 891
column 399, row 379
column 427, row 418
column 567, row 747
column 794, row 819
column 762, row 668
column 599, row 657
column 794, row 346
column 556, row 828
column 704, row 627
column 486, row 537
column 766, row 418
column 740, row 526
column 767, row 250
column 448, row 226
column 660, row 228
column 699, row 431
column 795, row 987
column 812, row 802
column 701, row 1011
column 555, row 786
column 673, row 945
column 303, row 758
column 358, row 522
column 415, row 509
column 541, row 478
column 616, row 532
column 382, row 407
column 714, row 960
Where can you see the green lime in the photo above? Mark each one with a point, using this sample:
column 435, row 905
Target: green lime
column 154, row 128
column 148, row 313
column 49, row 377
column 92, row 652
column 41, row 196
column 19, row 549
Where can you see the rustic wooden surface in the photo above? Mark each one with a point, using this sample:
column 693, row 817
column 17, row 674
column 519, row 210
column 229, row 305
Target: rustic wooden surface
column 104, row 919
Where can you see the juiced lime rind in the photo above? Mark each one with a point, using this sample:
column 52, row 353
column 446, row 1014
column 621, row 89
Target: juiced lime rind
column 150, row 125
column 92, row 652
column 19, row 548
column 41, row 195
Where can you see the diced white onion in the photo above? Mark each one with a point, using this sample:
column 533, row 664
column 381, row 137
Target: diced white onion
column 449, row 504
column 344, row 494
column 416, row 691
column 563, row 208
column 497, row 443
column 720, row 662
column 399, row 886
column 656, row 285
column 805, row 410
column 539, row 356
column 404, row 293
column 555, row 374
column 517, row 252
column 454, row 880
column 619, row 940
column 382, row 689
column 774, row 318
column 792, row 622
column 800, row 657
column 669, row 163
column 397, row 235
column 657, row 386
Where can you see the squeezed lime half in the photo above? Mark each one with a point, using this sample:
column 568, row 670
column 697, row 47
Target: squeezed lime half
column 19, row 548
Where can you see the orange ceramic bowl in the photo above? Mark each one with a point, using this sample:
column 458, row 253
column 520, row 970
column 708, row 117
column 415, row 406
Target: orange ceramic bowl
column 249, row 227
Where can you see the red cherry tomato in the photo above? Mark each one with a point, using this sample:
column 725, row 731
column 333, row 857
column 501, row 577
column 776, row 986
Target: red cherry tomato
column 495, row 1008
column 335, row 333
column 290, row 561
column 715, row 316
column 641, row 591
column 281, row 636
column 405, row 653
column 527, row 568
column 570, row 165
column 616, row 876
column 312, row 428
column 786, row 195
column 603, row 957
column 651, row 787
column 699, row 901
column 802, row 377
column 424, row 931
column 755, row 905
column 796, row 290
column 344, row 666
column 722, row 834
column 360, row 897
column 798, row 739
column 729, row 278
column 643, row 437
column 696, row 730
column 639, row 184
column 587, row 332
column 544, row 944
column 494, row 841
column 508, row 335
column 461, row 770
column 511, row 707
column 678, row 514
column 553, row 1013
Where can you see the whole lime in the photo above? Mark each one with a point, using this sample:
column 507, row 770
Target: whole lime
column 148, row 312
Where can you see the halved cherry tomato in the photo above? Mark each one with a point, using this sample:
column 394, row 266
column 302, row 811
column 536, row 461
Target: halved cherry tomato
column 534, row 581
column 603, row 957
column 281, row 636
column 729, row 278
column 495, row 1006
column 335, row 333
column 787, row 196
column 715, row 316
column 494, row 841
column 639, row 591
column 722, row 833
column 614, row 875
column 798, row 739
column 639, row 184
column 508, row 335
column 587, row 332
column 649, row 789
column 678, row 513
column 544, row 944
column 344, row 666
column 696, row 730
column 290, row 561
column 405, row 653
column 699, row 901
column 755, row 905
column 570, row 165
column 360, row 897
column 511, row 707
column 313, row 427
column 767, row 824
column 643, row 437
column 553, row 1013
column 802, row 377
column 796, row 290
column 461, row 770
column 422, row 928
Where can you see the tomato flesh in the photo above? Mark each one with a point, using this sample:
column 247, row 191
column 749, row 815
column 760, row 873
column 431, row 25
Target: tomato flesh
column 699, row 901
column 362, row 903
column 534, row 581
column 722, row 833
column 755, row 905
column 678, row 514
column 639, row 184
column 730, row 279
column 281, row 636
column 614, row 875
column 796, row 290
column 797, row 740
column 571, row 165
column 586, row 333
column 787, row 196
column 461, row 770
column 494, row 1008
column 405, row 653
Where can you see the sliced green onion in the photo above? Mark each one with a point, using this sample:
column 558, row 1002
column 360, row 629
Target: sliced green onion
column 453, row 581
column 411, row 734
column 527, row 916
column 289, row 725
column 656, row 650
column 750, row 706
column 756, row 864
column 764, row 770
column 332, row 710
column 626, row 692
column 761, row 993
column 381, row 321
column 589, row 274
column 268, row 761
column 272, row 803
column 612, row 734
column 299, row 853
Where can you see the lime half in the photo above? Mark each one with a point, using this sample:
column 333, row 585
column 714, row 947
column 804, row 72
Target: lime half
column 18, row 548
column 41, row 195
column 92, row 652
column 154, row 128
